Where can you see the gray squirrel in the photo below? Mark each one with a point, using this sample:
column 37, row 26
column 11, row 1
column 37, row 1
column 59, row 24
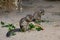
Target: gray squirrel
column 24, row 22
column 30, row 18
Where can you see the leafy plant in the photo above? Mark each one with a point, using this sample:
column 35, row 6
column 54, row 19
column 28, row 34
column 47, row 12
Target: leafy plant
column 39, row 28
column 31, row 26
column 9, row 26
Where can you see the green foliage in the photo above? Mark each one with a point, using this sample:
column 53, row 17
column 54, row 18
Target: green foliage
column 2, row 23
column 9, row 26
column 31, row 26
column 39, row 28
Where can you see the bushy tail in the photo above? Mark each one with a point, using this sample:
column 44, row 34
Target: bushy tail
column 9, row 32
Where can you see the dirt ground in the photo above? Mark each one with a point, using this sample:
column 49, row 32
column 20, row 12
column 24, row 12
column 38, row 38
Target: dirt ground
column 51, row 29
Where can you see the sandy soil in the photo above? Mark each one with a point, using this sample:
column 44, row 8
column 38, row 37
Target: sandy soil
column 51, row 29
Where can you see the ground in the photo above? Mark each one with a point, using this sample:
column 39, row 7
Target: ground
column 51, row 29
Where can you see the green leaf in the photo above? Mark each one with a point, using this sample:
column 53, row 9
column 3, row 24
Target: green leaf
column 11, row 25
column 5, row 26
column 10, row 28
column 2, row 23
column 39, row 28
column 31, row 26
